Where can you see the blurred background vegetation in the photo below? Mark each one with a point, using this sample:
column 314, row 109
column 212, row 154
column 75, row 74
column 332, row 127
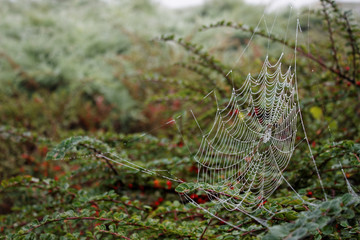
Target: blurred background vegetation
column 115, row 69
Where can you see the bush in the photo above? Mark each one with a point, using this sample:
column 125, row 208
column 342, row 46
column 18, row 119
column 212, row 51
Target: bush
column 87, row 72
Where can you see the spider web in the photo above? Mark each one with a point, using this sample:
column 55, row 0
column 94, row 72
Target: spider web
column 241, row 159
column 251, row 141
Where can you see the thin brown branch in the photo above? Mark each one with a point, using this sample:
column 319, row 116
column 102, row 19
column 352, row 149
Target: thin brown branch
column 254, row 230
column 193, row 216
column 115, row 201
column 331, row 36
column 344, row 167
column 73, row 219
column 353, row 45
column 232, row 229
column 114, row 234
column 208, row 61
column 357, row 157
column 99, row 155
column 30, row 81
column 319, row 61
column 206, row 228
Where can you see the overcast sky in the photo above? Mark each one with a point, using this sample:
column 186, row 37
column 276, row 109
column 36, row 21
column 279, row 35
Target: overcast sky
column 272, row 3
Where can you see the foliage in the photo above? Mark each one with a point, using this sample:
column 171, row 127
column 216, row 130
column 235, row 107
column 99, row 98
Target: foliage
column 90, row 75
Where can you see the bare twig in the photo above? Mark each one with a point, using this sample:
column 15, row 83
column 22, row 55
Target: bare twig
column 99, row 155
column 254, row 230
column 331, row 37
column 114, row 234
column 206, row 228
column 73, row 219
column 354, row 48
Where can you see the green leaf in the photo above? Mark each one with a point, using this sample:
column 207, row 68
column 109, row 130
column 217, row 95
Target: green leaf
column 278, row 232
column 344, row 223
column 67, row 145
column 323, row 220
column 347, row 198
column 349, row 214
column 299, row 233
column 186, row 187
column 291, row 215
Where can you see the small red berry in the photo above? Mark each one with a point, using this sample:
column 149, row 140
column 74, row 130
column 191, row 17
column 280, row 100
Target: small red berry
column 347, row 68
column 43, row 151
column 157, row 183
column 130, row 185
column 56, row 168
column 94, row 206
column 193, row 169
column 76, row 186
column 193, row 196
column 169, row 184
column 176, row 104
